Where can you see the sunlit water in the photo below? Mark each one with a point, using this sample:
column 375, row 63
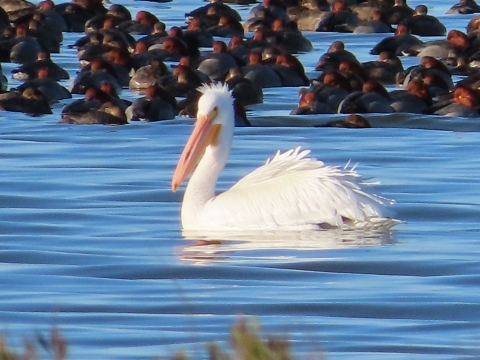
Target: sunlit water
column 91, row 239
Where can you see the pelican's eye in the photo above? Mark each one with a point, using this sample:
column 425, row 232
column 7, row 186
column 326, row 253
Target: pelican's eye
column 214, row 113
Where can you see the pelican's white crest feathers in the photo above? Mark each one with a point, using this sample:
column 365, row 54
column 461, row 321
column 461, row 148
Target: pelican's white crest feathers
column 291, row 191
column 218, row 87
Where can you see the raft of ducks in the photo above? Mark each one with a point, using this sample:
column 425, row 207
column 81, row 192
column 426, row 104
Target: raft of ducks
column 260, row 54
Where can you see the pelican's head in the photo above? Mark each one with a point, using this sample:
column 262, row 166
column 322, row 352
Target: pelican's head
column 216, row 100
column 215, row 111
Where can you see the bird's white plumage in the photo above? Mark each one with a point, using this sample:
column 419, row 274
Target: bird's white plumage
column 290, row 191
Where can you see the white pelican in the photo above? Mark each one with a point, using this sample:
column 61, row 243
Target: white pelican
column 289, row 192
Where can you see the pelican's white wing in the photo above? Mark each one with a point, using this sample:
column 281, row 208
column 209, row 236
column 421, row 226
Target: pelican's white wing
column 292, row 191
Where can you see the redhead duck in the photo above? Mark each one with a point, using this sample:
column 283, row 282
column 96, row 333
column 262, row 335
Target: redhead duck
column 354, row 74
column 171, row 49
column 258, row 41
column 117, row 68
column 352, row 121
column 108, row 114
column 340, row 19
column 227, row 26
column 291, row 70
column 30, row 101
column 399, row 12
column 77, row 12
column 334, row 79
column 48, row 38
column 189, row 39
column 214, row 9
column 269, row 10
column 98, row 74
column 148, row 75
column 333, row 87
column 46, row 14
column 238, row 49
column 373, row 98
column 183, row 80
column 94, row 98
column 217, row 64
column 53, row 91
column 98, row 47
column 399, row 44
column 141, row 56
column 288, row 39
column 415, row 99
column 372, row 86
column 157, row 104
column 180, row 41
column 437, row 85
column 385, row 69
column 428, row 66
column 464, row 7
column 466, row 103
column 122, row 38
column 243, row 90
column 74, row 16
column 187, row 61
column 335, row 54
column 21, row 48
column 425, row 25
column 200, row 36
column 312, row 102
column 142, row 24
column 378, row 24
column 29, row 71
column 158, row 34
column 260, row 74
column 115, row 15
column 122, row 63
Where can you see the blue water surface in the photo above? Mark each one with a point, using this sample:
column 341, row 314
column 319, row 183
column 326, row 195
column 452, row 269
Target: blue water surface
column 91, row 241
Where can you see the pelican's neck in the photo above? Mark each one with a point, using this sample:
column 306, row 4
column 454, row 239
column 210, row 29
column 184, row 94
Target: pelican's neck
column 201, row 186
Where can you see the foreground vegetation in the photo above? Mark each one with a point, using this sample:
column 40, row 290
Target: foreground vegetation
column 245, row 342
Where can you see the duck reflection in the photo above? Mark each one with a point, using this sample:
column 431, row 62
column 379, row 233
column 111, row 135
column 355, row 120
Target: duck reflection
column 204, row 248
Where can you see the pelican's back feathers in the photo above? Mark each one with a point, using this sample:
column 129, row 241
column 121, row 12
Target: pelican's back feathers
column 294, row 191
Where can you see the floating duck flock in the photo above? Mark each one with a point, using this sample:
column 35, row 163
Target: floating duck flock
column 118, row 51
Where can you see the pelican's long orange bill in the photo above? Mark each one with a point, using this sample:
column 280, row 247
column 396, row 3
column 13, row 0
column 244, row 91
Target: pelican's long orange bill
column 204, row 134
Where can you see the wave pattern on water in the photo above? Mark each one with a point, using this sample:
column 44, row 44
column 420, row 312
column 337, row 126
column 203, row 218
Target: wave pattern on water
column 90, row 236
